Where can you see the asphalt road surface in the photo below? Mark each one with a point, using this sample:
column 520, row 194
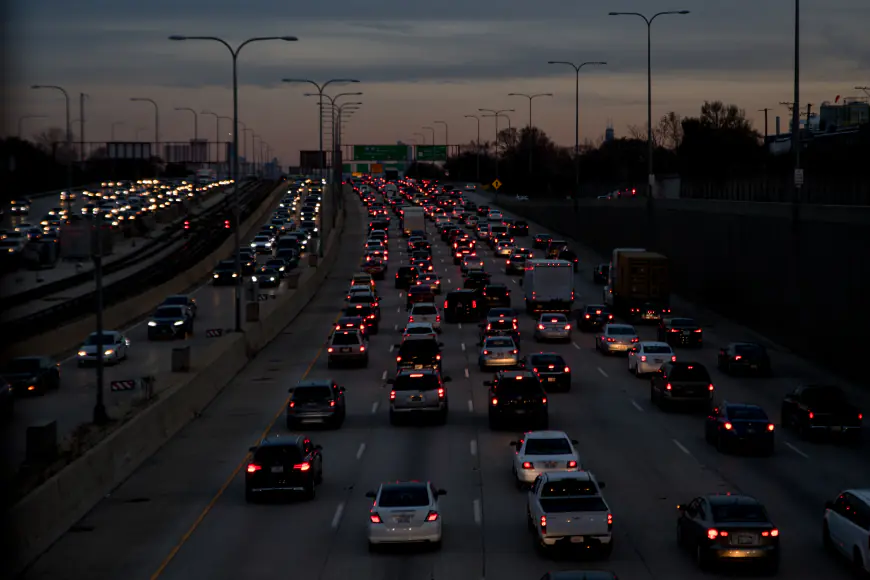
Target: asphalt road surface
column 183, row 514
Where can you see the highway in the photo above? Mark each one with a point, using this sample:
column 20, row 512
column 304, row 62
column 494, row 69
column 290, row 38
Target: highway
column 72, row 404
column 183, row 514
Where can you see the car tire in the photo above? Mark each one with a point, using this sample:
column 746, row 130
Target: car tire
column 310, row 492
column 250, row 496
column 607, row 549
column 394, row 419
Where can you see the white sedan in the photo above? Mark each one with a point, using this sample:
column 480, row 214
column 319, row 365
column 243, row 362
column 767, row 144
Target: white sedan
column 419, row 331
column 113, row 343
column 649, row 356
column 405, row 512
column 543, row 451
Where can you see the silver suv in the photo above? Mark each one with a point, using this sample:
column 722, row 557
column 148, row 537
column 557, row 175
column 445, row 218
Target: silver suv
column 347, row 346
column 418, row 391
column 319, row 401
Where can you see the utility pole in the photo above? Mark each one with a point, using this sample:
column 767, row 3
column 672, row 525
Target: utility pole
column 82, row 128
column 798, row 178
column 765, row 111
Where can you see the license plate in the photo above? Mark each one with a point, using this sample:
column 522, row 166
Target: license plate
column 402, row 519
column 745, row 540
column 658, row 360
column 521, row 411
column 686, row 333
column 550, row 464
column 551, row 379
column 418, row 367
column 345, row 350
column 836, row 429
column 577, row 539
column 416, row 398
column 688, row 392
column 750, row 431
column 311, row 421
column 278, row 469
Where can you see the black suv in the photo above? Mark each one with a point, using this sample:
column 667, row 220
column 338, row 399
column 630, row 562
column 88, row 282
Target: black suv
column 594, row 317
column 284, row 463
column 419, row 354
column 600, row 273
column 681, row 382
column 462, row 305
column 497, row 295
column 316, row 402
column 517, row 395
column 520, row 228
column 551, row 369
column 744, row 357
column 407, row 277
column 367, row 313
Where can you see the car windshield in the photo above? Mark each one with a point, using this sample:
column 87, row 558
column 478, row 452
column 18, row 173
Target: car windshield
column 345, row 338
column 403, row 496
column 499, row 343
column 21, row 365
column 311, row 394
column 733, row 513
column 278, row 455
column 656, row 349
column 169, row 312
column 419, row 330
column 569, row 488
column 548, row 446
column 746, row 413
column 424, row 310
column 621, row 330
column 545, row 360
column 107, row 339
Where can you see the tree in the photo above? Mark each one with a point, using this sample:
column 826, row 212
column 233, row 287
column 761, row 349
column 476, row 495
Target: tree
column 53, row 142
column 717, row 115
column 508, row 138
column 670, row 131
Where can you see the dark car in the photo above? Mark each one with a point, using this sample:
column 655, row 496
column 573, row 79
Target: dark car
column 406, row 276
column 580, row 575
column 648, row 312
column 517, row 395
column 501, row 326
column 419, row 293
column 681, row 382
column 542, row 241
column 520, row 228
column 419, row 354
column 367, row 313
column 462, row 306
column 731, row 426
column 318, row 401
column 351, row 322
column 288, row 463
column 423, row 265
column 477, row 280
column 821, row 409
column 551, row 369
column 600, row 273
column 422, row 246
column 569, row 255
column 249, row 263
column 31, row 375
column 728, row 527
column 516, row 262
column 497, row 295
column 744, row 358
column 170, row 322
column 268, row 277
column 279, row 266
column 680, row 332
column 181, row 300
column 225, row 273
column 366, row 298
column 594, row 316
column 555, row 247
column 483, row 210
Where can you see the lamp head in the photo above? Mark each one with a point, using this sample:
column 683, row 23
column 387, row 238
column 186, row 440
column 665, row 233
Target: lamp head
column 683, row 12
column 177, row 37
column 288, row 38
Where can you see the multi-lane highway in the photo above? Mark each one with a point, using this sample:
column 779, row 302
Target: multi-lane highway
column 183, row 514
column 72, row 404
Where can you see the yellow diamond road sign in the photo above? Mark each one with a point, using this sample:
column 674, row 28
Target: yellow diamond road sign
column 496, row 184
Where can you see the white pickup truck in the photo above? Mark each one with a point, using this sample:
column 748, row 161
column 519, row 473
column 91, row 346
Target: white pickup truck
column 567, row 509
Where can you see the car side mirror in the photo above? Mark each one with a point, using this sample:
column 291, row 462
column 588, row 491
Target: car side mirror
column 318, row 447
column 371, row 494
column 391, row 381
column 441, row 492
column 829, row 505
column 487, row 383
column 447, row 379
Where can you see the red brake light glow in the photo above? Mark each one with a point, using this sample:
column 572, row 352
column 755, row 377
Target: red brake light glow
column 253, row 467
column 302, row 466
column 727, row 426
column 527, row 465
column 432, row 516
column 392, row 395
column 572, row 464
column 375, row 518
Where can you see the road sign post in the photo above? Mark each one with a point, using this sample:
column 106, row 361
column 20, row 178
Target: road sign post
column 497, row 184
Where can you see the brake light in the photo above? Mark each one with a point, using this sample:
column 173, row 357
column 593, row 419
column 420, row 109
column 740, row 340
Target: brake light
column 441, row 393
column 437, row 357
column 253, row 467
column 812, row 415
column 362, row 349
column 410, row 319
column 698, row 330
column 860, row 416
column 727, row 426
column 635, row 339
column 710, row 387
column 567, row 369
column 738, row 357
column 774, row 533
column 474, row 303
column 567, row 327
column 674, row 358
column 494, row 402
column 643, row 358
column 438, row 318
column 432, row 516
column 392, row 395
column 668, row 387
column 398, row 359
column 528, row 465
column 302, row 466
column 445, row 305
column 338, row 327
column 486, row 352
column 713, row 534
column 587, row 316
column 611, row 339
column 544, row 524
column 609, row 521
column 770, row 427
column 572, row 464
column 375, row 518
column 544, row 401
column 330, row 349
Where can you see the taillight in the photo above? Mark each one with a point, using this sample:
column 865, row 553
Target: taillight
column 674, row 358
column 437, row 357
column 698, row 330
column 635, row 340
column 567, row 370
column 398, row 359
column 669, row 387
column 860, row 416
column 770, row 427
column 528, row 465
column 392, row 395
column 587, row 316
column 302, row 466
column 514, row 351
column 440, row 393
column 812, row 415
column 410, row 319
column 332, row 403
column 728, row 426
column 643, row 358
column 609, row 522
column 713, row 534
column 540, row 327
column 486, row 352
column 375, row 518
column 445, row 305
column 544, row 401
column 494, row 402
column 432, row 516
column 611, row 339
column 474, row 303
column 710, row 387
column 572, row 464
column 362, row 348
column 438, row 318
column 253, row 467
column 738, row 357
column 292, row 404
column 567, row 327
column 330, row 349
column 543, row 524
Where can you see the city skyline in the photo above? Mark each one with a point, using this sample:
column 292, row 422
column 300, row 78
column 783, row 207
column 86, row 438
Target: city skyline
column 416, row 65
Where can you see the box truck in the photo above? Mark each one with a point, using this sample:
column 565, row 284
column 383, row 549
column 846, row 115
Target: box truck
column 642, row 282
column 548, row 286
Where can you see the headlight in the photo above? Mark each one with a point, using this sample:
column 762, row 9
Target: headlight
column 281, row 269
column 268, row 244
column 82, row 353
column 315, row 229
column 152, row 323
column 217, row 275
column 235, row 275
column 253, row 245
column 109, row 352
column 253, row 278
column 178, row 323
column 272, row 279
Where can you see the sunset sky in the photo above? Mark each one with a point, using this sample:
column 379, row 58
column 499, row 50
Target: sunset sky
column 420, row 62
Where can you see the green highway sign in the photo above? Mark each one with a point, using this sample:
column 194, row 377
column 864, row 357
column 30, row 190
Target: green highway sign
column 380, row 152
column 431, row 152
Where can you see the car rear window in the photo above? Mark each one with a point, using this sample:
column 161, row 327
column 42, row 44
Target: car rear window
column 360, row 299
column 496, row 290
column 524, row 386
column 657, row 349
column 569, row 488
column 419, row 330
column 733, row 513
column 548, row 446
column 750, row 349
column 312, row 394
column 422, row 347
column 278, row 455
column 746, row 413
column 502, row 324
column 403, row 496
column 424, row 310
column 683, row 323
column 690, row 373
column 416, row 382
column 621, row 330
column 544, row 360
column 345, row 338
column 573, row 504
column 499, row 343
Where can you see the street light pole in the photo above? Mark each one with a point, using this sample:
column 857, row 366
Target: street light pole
column 649, row 138
column 433, row 134
column 156, row 124
column 532, row 140
column 497, row 114
column 195, row 121
column 69, row 171
column 235, row 170
column 217, row 135
column 101, row 417
column 23, row 118
column 577, row 68
column 82, row 97
column 422, row 136
column 446, row 139
column 476, row 118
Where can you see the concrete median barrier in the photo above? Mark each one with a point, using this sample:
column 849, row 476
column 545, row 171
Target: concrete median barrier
column 49, row 511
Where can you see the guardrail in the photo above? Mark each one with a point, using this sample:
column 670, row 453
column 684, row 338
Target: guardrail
column 210, row 235
column 149, row 249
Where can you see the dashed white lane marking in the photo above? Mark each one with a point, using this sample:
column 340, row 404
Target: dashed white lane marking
column 459, row 325
column 374, row 407
column 477, row 514
column 636, row 406
column 466, row 373
column 514, row 280
column 384, row 376
column 471, row 409
column 601, row 370
column 577, row 346
column 336, row 519
column 462, row 346
column 393, row 346
column 398, row 308
column 395, row 327
column 682, row 447
column 473, row 447
column 448, row 280
column 362, row 449
column 796, row 450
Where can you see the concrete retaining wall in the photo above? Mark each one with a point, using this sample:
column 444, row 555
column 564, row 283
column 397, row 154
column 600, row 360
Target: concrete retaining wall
column 797, row 282
column 48, row 512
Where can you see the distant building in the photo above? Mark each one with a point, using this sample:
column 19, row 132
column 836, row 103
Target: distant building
column 608, row 133
column 848, row 115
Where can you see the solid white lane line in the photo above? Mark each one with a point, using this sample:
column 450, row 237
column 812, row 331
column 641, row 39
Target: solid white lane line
column 682, row 447
column 466, row 373
column 577, row 346
column 374, row 407
column 393, row 346
column 601, row 370
column 796, row 450
column 473, row 446
column 636, row 406
column 384, row 376
column 462, row 345
column 477, row 514
column 362, row 449
column 471, row 407
column 336, row 519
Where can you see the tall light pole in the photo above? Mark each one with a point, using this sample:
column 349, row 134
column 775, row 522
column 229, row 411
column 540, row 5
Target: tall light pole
column 349, row 109
column 796, row 114
column 245, row 132
column 235, row 170
column 496, row 114
column 195, row 121
column 476, row 118
column 156, row 120
column 320, row 95
column 577, row 68
column 217, row 134
column 23, row 118
column 433, row 133
column 82, row 97
column 69, row 172
column 320, row 88
column 115, row 124
column 422, row 136
column 649, row 139
column 531, row 137
column 446, row 139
